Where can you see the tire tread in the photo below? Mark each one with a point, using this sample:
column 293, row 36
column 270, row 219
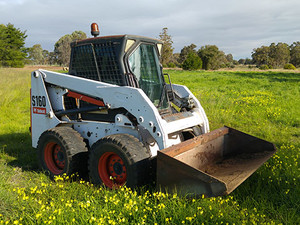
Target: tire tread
column 137, row 155
column 72, row 142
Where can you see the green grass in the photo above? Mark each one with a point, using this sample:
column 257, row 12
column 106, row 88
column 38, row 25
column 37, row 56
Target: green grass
column 263, row 104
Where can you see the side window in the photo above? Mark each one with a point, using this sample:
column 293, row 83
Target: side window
column 144, row 64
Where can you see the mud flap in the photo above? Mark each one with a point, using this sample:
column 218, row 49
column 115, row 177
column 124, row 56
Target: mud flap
column 211, row 164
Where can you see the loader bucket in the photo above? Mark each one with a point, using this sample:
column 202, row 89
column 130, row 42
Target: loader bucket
column 211, row 164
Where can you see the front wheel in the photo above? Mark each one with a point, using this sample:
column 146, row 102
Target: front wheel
column 117, row 160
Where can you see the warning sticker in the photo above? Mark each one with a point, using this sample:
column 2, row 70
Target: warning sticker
column 39, row 110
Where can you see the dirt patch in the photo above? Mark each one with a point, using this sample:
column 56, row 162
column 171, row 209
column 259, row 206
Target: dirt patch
column 238, row 162
column 234, row 170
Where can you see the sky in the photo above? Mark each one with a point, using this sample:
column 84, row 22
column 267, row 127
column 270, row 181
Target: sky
column 235, row 26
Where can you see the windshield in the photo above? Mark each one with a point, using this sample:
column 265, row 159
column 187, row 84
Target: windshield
column 144, row 64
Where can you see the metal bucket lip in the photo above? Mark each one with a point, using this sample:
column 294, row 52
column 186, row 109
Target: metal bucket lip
column 174, row 150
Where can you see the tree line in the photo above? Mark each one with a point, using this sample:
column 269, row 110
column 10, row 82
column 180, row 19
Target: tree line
column 277, row 55
column 13, row 52
column 61, row 53
column 208, row 57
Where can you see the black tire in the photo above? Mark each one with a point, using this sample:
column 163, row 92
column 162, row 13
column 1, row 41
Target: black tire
column 61, row 150
column 119, row 159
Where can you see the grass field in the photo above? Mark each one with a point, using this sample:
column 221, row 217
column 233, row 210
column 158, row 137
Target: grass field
column 263, row 104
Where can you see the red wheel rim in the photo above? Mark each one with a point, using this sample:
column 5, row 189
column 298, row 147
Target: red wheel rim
column 112, row 170
column 54, row 158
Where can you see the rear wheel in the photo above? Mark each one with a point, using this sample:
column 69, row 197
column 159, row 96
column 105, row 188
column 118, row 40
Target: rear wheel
column 61, row 150
column 117, row 160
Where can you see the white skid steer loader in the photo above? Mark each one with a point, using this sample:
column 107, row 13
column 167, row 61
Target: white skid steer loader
column 114, row 114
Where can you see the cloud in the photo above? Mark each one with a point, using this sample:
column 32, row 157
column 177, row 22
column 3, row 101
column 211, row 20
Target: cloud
column 11, row 2
column 234, row 26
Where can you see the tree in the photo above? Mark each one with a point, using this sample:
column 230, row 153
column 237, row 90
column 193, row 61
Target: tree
column 229, row 58
column 46, row 56
column 295, row 54
column 279, row 55
column 62, row 48
column 36, row 54
column 212, row 57
column 39, row 56
column 175, row 59
column 260, row 56
column 167, row 51
column 242, row 61
column 230, row 61
column 192, row 61
column 12, row 50
column 185, row 51
column 52, row 58
column 274, row 56
column 2, row 41
column 235, row 62
column 248, row 61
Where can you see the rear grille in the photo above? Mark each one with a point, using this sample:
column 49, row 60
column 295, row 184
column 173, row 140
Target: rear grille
column 108, row 63
column 84, row 64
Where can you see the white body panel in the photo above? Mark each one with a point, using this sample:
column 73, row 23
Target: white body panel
column 42, row 116
column 151, row 125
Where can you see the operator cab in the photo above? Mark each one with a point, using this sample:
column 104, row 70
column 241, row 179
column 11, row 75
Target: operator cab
column 124, row 60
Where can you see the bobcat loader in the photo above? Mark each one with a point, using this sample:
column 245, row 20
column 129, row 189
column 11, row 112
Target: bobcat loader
column 115, row 114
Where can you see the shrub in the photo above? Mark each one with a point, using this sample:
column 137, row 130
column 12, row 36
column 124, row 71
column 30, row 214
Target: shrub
column 171, row 65
column 264, row 67
column 289, row 66
column 192, row 62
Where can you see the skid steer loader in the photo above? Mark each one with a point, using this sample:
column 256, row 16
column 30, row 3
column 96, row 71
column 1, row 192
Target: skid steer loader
column 115, row 114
